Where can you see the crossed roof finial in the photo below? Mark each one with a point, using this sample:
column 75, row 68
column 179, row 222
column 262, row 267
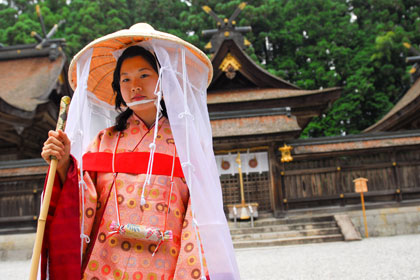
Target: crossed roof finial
column 415, row 70
column 226, row 29
column 46, row 39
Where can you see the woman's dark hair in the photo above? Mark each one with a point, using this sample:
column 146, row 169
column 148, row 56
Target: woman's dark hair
column 121, row 119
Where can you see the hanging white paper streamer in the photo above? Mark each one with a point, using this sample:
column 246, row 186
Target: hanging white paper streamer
column 261, row 157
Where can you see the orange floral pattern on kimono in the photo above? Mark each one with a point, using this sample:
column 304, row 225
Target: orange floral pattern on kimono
column 118, row 257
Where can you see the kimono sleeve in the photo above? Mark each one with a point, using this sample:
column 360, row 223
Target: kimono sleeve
column 60, row 254
column 61, row 248
column 188, row 264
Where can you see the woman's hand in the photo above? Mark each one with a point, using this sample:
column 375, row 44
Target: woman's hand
column 58, row 145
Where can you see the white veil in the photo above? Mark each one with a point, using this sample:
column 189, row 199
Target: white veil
column 183, row 84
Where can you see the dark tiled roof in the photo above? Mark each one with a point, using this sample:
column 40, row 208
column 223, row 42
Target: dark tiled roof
column 254, row 126
column 356, row 142
column 26, row 83
column 402, row 107
column 243, row 95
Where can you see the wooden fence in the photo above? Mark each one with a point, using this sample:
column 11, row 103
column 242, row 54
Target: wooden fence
column 325, row 179
column 312, row 179
column 21, row 184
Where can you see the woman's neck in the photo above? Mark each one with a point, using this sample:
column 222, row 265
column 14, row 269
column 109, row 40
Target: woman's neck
column 148, row 118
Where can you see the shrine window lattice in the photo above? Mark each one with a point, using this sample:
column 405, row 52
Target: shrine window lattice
column 256, row 189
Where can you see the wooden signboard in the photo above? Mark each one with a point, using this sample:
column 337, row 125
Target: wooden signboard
column 360, row 185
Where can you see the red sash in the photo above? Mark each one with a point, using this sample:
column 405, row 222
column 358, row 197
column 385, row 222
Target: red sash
column 132, row 162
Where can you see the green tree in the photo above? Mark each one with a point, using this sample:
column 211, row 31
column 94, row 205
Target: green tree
column 376, row 75
column 353, row 44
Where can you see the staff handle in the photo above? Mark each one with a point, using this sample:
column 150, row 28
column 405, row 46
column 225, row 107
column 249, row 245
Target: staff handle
column 61, row 123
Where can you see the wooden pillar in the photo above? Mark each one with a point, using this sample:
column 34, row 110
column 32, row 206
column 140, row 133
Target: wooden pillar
column 397, row 180
column 283, row 194
column 339, row 182
column 275, row 179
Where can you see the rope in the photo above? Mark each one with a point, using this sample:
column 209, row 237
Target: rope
column 200, row 254
column 82, row 185
column 168, row 203
column 115, row 178
column 188, row 163
column 152, row 146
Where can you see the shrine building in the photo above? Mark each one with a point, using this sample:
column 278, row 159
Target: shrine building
column 256, row 119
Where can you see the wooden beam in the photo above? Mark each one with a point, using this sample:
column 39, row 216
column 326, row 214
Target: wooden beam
column 348, row 168
column 244, row 141
column 10, row 138
column 320, row 155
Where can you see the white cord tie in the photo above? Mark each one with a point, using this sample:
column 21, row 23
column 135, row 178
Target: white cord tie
column 142, row 200
column 152, row 146
column 84, row 236
column 189, row 165
column 144, row 101
column 185, row 114
column 195, row 222
column 82, row 184
column 200, row 254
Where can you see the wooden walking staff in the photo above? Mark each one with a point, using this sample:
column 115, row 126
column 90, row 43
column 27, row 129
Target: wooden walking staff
column 61, row 123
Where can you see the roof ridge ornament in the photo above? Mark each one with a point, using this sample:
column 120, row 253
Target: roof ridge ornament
column 46, row 39
column 415, row 69
column 230, row 65
column 226, row 29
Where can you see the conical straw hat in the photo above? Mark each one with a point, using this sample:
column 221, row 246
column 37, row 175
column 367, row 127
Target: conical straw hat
column 103, row 62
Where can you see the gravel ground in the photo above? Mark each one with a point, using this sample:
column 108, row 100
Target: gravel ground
column 382, row 258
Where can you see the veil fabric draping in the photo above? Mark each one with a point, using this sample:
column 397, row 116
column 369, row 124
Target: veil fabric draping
column 183, row 85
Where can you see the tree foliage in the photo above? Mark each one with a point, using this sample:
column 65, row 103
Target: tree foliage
column 353, row 44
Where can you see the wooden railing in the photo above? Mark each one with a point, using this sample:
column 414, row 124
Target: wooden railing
column 326, row 179
column 312, row 179
column 21, row 184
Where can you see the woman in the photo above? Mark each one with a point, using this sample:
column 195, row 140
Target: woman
column 138, row 218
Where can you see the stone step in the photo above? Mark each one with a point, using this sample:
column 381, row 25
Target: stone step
column 286, row 234
column 284, row 221
column 16, row 230
column 284, row 227
column 287, row 241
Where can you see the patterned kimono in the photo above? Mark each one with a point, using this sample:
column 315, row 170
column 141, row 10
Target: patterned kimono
column 115, row 256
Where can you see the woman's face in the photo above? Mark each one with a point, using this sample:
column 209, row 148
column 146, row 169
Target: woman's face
column 138, row 82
